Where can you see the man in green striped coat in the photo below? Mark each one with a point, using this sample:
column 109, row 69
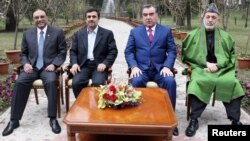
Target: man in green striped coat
column 210, row 52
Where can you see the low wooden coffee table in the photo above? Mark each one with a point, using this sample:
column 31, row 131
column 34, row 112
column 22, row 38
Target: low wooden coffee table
column 154, row 117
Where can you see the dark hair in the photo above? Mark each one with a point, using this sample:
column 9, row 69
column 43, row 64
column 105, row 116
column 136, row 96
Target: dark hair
column 93, row 10
column 41, row 10
column 149, row 6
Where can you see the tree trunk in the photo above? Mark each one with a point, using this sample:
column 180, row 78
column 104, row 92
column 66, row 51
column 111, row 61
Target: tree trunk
column 180, row 21
column 10, row 23
column 16, row 34
column 188, row 14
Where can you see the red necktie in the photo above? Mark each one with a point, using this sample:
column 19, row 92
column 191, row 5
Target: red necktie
column 150, row 35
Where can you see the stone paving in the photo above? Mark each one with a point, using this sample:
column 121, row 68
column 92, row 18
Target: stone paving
column 34, row 125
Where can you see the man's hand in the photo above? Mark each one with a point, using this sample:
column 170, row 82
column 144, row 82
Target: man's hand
column 166, row 72
column 211, row 67
column 101, row 67
column 74, row 69
column 28, row 68
column 135, row 72
column 50, row 67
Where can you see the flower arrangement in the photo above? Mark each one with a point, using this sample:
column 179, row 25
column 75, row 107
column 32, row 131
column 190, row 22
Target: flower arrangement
column 118, row 96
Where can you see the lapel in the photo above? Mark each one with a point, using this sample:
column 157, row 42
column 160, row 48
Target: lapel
column 48, row 35
column 84, row 37
column 33, row 37
column 98, row 37
column 144, row 35
column 157, row 34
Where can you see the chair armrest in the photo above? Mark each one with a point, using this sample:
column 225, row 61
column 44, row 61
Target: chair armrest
column 18, row 68
column 66, row 69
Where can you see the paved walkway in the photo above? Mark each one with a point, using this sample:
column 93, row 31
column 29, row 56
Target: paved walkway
column 34, row 125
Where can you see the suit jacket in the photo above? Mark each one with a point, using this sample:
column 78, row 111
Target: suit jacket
column 54, row 51
column 105, row 50
column 140, row 53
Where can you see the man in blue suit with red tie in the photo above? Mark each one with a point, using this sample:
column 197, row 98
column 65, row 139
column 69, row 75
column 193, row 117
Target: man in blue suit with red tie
column 151, row 53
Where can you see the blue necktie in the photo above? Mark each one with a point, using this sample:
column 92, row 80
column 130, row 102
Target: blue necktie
column 39, row 61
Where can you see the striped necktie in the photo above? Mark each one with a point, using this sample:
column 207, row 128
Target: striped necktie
column 150, row 35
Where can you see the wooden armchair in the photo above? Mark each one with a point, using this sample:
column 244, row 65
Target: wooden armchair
column 151, row 84
column 38, row 84
column 68, row 83
column 187, row 71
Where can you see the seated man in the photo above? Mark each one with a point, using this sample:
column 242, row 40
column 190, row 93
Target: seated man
column 93, row 52
column 43, row 50
column 151, row 53
column 210, row 52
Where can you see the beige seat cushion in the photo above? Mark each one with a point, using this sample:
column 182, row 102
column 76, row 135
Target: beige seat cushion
column 38, row 83
column 70, row 82
column 151, row 84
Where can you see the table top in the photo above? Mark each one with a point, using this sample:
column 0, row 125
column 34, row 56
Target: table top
column 155, row 109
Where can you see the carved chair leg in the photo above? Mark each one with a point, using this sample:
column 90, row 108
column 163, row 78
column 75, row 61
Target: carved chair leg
column 67, row 98
column 36, row 96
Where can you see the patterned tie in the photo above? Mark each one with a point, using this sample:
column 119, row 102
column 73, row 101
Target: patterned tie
column 39, row 61
column 150, row 35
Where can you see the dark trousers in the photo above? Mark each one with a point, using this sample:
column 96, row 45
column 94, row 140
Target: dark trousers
column 152, row 74
column 22, row 89
column 88, row 71
column 232, row 108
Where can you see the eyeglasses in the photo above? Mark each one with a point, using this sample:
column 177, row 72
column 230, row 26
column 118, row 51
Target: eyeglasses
column 93, row 16
column 37, row 17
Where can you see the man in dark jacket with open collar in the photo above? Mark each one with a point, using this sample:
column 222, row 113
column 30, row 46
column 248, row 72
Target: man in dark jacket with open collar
column 93, row 52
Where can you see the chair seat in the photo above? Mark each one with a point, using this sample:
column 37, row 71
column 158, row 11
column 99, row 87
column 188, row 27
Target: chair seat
column 70, row 83
column 38, row 83
column 151, row 84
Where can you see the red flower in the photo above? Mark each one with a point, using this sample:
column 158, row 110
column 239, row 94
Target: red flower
column 106, row 96
column 112, row 89
column 113, row 97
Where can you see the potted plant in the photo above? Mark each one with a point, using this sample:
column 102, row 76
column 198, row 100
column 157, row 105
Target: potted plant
column 244, row 57
column 4, row 65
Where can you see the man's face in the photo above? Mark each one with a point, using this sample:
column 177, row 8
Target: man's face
column 92, row 20
column 210, row 20
column 40, row 19
column 149, row 16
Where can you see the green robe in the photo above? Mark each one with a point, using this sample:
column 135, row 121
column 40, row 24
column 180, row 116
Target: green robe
column 202, row 83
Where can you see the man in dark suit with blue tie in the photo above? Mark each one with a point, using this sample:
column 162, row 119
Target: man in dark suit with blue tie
column 151, row 53
column 93, row 52
column 43, row 50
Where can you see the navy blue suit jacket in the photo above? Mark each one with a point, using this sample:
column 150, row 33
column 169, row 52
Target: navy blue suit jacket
column 161, row 53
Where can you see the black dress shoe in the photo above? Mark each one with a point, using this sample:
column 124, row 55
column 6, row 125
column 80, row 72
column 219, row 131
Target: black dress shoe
column 55, row 126
column 13, row 124
column 175, row 131
column 236, row 122
column 192, row 127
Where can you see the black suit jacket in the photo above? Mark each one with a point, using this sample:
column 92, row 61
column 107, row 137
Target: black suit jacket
column 105, row 50
column 55, row 47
